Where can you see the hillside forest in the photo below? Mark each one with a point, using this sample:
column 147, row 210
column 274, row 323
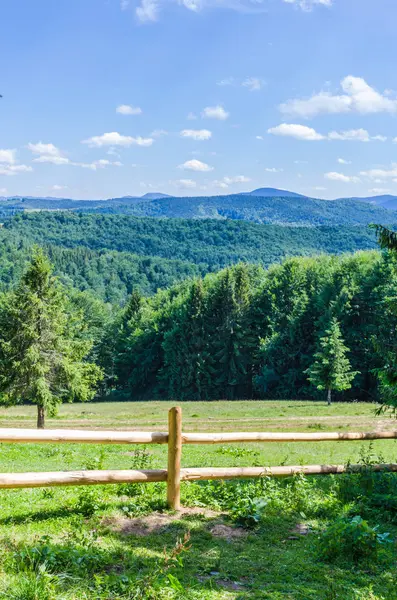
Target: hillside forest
column 245, row 331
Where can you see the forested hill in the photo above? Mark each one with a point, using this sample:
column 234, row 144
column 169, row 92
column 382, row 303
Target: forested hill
column 293, row 210
column 113, row 254
column 283, row 211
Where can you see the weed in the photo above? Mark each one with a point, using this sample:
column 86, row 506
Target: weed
column 352, row 539
column 88, row 501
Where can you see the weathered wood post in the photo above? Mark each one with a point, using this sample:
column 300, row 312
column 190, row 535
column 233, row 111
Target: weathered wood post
column 174, row 457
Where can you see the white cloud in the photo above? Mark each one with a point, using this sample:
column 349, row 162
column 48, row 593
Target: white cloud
column 342, row 161
column 357, row 135
column 215, row 112
column 196, row 134
column 48, row 153
column 113, row 152
column 184, row 183
column 46, row 149
column 57, row 188
column 55, row 160
column 116, row 139
column 254, row 84
column 302, row 132
column 319, row 188
column 196, row 165
column 378, row 175
column 226, row 181
column 8, row 156
column 379, row 191
column 9, row 165
column 333, row 176
column 273, row 170
column 236, row 179
column 3, row 191
column 147, row 11
column 6, row 169
column 299, row 132
column 307, row 5
column 221, row 184
column 259, row 137
column 98, row 164
column 226, row 81
column 127, row 109
column 358, row 97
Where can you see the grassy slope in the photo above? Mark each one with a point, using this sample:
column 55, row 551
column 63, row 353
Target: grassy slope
column 266, row 564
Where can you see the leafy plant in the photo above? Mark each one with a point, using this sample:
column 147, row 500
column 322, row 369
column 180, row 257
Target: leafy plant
column 88, row 501
column 352, row 539
column 248, row 511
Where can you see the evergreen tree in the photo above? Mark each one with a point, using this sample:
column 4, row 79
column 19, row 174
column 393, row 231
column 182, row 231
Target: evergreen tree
column 41, row 353
column 331, row 370
column 187, row 370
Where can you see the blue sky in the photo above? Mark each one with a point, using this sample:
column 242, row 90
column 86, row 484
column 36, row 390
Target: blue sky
column 103, row 98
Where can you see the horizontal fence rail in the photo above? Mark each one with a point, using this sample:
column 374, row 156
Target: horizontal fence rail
column 175, row 439
column 224, row 438
column 77, row 436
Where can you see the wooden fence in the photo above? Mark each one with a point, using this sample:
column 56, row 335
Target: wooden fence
column 175, row 439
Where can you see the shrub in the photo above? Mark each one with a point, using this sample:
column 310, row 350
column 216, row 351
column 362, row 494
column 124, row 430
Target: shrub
column 352, row 539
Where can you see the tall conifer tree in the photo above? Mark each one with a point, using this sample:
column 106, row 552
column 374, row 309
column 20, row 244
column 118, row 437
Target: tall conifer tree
column 41, row 357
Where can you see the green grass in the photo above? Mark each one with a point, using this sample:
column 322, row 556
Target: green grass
column 91, row 549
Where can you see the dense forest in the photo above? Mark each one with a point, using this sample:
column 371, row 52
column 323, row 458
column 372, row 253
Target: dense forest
column 111, row 255
column 163, row 321
column 260, row 206
column 246, row 332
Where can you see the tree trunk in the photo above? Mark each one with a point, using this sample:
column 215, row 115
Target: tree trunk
column 40, row 417
column 329, row 397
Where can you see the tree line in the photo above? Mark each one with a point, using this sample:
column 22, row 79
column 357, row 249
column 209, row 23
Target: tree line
column 306, row 328
column 289, row 332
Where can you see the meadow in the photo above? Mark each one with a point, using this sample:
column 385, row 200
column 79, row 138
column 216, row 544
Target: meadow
column 233, row 540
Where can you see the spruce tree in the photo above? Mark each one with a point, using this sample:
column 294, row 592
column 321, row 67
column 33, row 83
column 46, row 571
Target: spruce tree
column 41, row 353
column 331, row 370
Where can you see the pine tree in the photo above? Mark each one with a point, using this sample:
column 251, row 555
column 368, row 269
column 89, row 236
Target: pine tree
column 331, row 370
column 41, row 353
column 187, row 361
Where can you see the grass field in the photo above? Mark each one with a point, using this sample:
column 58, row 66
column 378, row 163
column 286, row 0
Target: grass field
column 107, row 542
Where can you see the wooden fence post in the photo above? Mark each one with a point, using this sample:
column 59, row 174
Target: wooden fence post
column 174, row 457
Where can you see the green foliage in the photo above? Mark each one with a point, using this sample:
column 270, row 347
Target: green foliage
column 247, row 511
column 352, row 539
column 246, row 332
column 113, row 254
column 331, row 369
column 41, row 351
column 298, row 210
column 88, row 501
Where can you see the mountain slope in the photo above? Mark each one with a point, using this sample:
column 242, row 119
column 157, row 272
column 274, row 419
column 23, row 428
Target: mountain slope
column 273, row 193
column 292, row 210
column 385, row 201
column 210, row 244
column 283, row 211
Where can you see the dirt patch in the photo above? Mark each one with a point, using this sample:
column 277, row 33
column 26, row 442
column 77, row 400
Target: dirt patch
column 226, row 532
column 230, row 585
column 301, row 529
column 224, row 583
column 154, row 522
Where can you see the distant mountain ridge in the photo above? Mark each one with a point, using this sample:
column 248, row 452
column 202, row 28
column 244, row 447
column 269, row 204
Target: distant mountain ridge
column 263, row 205
column 272, row 193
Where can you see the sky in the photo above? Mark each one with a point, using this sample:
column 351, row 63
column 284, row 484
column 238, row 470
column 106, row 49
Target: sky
column 106, row 98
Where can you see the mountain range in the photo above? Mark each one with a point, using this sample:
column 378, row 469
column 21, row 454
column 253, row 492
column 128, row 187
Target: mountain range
column 263, row 205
